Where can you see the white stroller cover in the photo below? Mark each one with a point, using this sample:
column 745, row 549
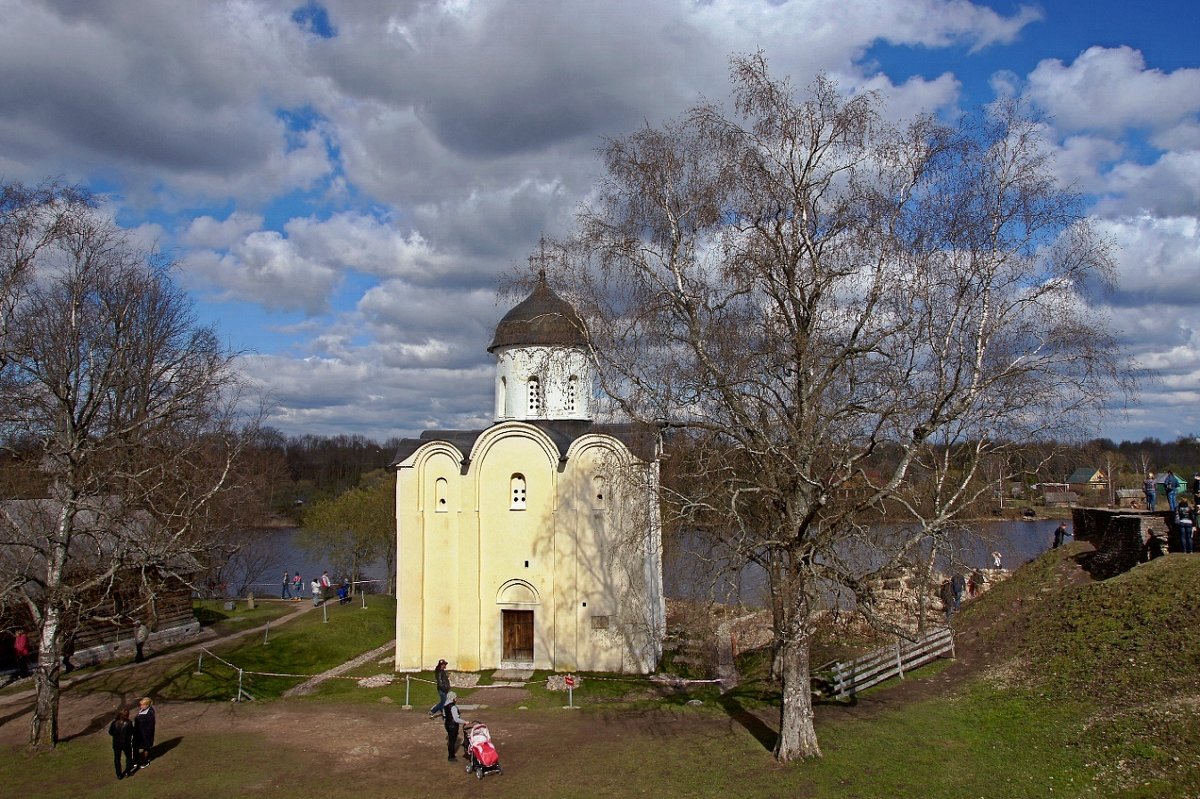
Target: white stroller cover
column 480, row 734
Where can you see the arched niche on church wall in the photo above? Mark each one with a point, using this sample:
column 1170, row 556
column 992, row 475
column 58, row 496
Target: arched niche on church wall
column 518, row 593
column 437, row 467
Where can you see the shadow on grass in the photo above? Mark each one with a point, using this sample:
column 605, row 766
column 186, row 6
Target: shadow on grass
column 162, row 748
column 757, row 728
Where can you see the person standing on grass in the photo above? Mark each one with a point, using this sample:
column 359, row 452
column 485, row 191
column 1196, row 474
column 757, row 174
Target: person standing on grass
column 454, row 721
column 957, row 585
column 442, row 678
column 316, row 592
column 121, row 730
column 286, row 593
column 298, row 586
column 946, row 593
column 143, row 731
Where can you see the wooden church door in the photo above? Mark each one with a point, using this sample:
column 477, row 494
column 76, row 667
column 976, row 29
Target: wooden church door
column 518, row 635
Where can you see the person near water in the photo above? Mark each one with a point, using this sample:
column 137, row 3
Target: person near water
column 1060, row 535
column 298, row 587
column 316, row 592
column 1150, row 490
column 286, row 593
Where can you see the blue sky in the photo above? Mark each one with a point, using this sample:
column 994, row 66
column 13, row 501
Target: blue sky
column 343, row 183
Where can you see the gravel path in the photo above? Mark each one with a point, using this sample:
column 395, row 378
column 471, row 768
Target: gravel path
column 309, row 685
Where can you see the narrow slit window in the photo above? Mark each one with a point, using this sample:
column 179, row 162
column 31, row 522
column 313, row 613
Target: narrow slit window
column 440, row 503
column 517, row 490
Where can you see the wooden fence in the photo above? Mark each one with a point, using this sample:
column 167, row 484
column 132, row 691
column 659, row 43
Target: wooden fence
column 846, row 678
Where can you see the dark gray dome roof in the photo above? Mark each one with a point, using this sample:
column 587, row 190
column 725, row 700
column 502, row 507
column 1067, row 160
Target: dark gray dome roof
column 541, row 319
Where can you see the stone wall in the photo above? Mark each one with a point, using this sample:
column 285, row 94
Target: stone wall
column 1123, row 538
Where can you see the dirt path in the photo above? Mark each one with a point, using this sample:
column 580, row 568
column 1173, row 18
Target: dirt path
column 24, row 694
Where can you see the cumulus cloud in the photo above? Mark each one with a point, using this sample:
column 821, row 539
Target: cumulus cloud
column 1111, row 89
column 263, row 268
column 1159, row 260
column 373, row 166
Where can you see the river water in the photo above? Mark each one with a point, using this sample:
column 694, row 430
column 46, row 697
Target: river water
column 689, row 574
column 685, row 575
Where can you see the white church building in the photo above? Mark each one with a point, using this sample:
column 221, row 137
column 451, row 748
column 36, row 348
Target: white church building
column 534, row 542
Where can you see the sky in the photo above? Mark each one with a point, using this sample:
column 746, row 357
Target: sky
column 343, row 184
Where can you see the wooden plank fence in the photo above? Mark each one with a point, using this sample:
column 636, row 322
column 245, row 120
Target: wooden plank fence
column 846, row 678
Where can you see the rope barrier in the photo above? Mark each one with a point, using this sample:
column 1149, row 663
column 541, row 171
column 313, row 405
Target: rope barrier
column 409, row 678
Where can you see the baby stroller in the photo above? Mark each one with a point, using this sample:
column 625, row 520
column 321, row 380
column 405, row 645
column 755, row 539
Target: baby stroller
column 343, row 594
column 481, row 754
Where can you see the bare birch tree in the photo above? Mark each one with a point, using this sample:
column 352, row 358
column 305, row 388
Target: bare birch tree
column 131, row 405
column 851, row 318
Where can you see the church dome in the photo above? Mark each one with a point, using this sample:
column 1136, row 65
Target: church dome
column 542, row 319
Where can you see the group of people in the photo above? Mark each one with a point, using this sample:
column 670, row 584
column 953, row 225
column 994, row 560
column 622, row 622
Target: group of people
column 293, row 588
column 1184, row 516
column 293, row 584
column 951, row 591
column 132, row 739
column 1172, row 485
column 447, row 708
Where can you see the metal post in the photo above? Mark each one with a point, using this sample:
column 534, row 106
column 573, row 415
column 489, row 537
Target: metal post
column 238, row 698
column 363, row 594
column 407, row 687
column 200, row 664
column 325, row 611
column 570, row 697
column 266, row 633
column 899, row 662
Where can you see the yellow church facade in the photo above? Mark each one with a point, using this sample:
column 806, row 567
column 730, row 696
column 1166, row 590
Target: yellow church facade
column 534, row 542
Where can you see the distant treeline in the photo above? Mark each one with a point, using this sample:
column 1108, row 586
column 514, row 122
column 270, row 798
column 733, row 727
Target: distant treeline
column 308, row 468
column 301, row 469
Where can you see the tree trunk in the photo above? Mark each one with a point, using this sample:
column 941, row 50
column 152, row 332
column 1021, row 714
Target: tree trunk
column 797, row 734
column 43, row 727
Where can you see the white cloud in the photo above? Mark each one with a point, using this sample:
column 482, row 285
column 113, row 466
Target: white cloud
column 1159, row 263
column 266, row 269
column 1111, row 89
column 207, row 232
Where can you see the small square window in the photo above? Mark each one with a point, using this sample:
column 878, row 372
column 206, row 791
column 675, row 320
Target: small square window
column 599, row 622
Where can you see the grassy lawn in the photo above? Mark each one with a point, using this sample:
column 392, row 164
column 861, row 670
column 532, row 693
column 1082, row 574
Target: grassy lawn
column 1080, row 689
column 211, row 614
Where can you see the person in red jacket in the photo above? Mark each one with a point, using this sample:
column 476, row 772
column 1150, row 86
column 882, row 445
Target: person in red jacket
column 21, row 650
